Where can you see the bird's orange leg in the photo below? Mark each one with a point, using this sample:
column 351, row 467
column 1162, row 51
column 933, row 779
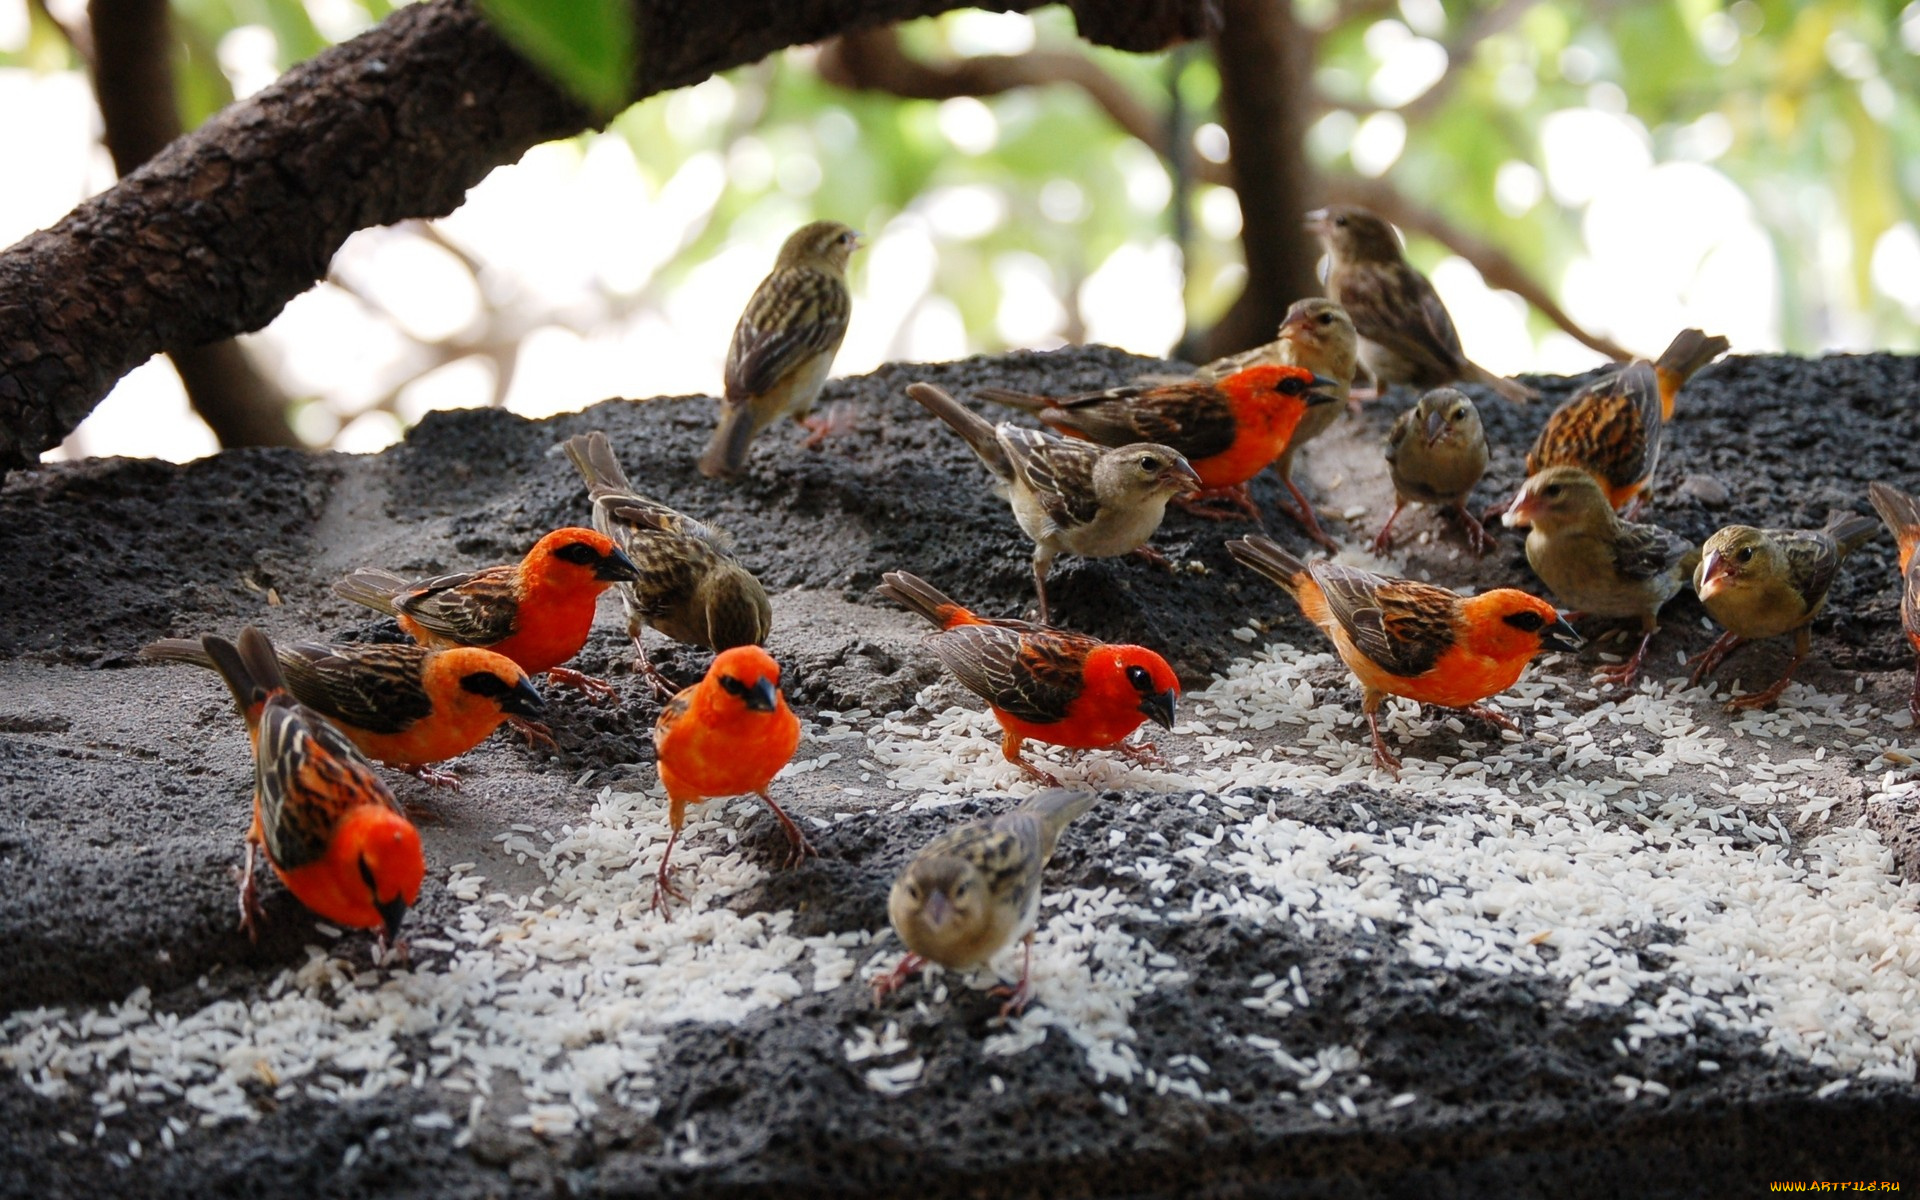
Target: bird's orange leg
column 1153, row 557
column 837, row 419
column 1143, row 753
column 1711, row 658
column 1239, row 502
column 535, row 732
column 1623, row 674
column 1010, row 747
column 643, row 666
column 895, row 979
column 596, row 689
column 1019, row 995
column 1383, row 758
column 1491, row 715
column 1802, row 642
column 801, row 846
column 433, row 778
column 251, row 913
column 1383, row 541
column 1305, row 516
column 1478, row 539
column 662, row 880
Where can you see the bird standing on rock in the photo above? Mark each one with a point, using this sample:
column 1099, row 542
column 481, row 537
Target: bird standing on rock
column 1229, row 431
column 1070, row 497
column 784, row 344
column 1402, row 638
column 973, row 890
column 1046, row 684
column 1596, row 563
column 1761, row 583
column 1436, row 454
column 690, row 586
column 1901, row 512
column 1406, row 335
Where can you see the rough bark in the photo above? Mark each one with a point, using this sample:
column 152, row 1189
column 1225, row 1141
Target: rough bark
column 132, row 72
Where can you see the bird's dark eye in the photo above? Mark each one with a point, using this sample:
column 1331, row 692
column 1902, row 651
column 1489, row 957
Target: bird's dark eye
column 578, row 553
column 1459, row 414
column 913, row 892
column 1526, row 622
column 1341, row 220
column 733, row 686
column 1139, row 678
column 1746, row 554
column 1326, row 318
column 1292, row 385
column 485, row 683
column 1149, row 463
column 1552, row 491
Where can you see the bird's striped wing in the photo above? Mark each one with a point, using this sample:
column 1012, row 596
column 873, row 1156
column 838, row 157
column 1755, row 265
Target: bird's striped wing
column 1195, row 420
column 307, row 776
column 1033, row 674
column 473, row 608
column 1058, row 471
column 1611, row 427
column 372, row 687
column 1401, row 625
column 795, row 314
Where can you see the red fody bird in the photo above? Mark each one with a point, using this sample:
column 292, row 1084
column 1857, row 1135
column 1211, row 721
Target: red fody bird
column 537, row 611
column 727, row 735
column 1901, row 512
column 1045, row 684
column 1230, row 429
column 328, row 826
column 1403, row 638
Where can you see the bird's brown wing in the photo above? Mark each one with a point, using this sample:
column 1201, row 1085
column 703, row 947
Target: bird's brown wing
column 1402, row 625
column 307, row 776
column 1813, row 559
column 1645, row 551
column 1196, row 420
column 1034, row 674
column 1059, row 472
column 474, row 608
column 1394, row 305
column 795, row 314
column 1611, row 427
column 372, row 687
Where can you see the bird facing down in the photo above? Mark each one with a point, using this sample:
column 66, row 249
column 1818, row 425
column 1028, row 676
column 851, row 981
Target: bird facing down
column 727, row 735
column 1402, row 638
column 784, row 344
column 537, row 611
column 1229, row 430
column 1614, row 426
column 1596, row 563
column 1436, row 453
column 1406, row 335
column 1070, row 497
column 690, row 585
column 973, row 890
column 329, row 828
column 404, row 706
column 1050, row 685
column 1901, row 512
column 1761, row 583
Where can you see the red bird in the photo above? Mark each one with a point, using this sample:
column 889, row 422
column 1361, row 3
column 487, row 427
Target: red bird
column 330, row 829
column 1042, row 683
column 1229, row 430
column 537, row 611
column 727, row 735
column 1901, row 512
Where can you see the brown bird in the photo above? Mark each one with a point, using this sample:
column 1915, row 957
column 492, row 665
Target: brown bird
column 784, row 344
column 1070, row 497
column 1761, row 583
column 690, row 586
column 1613, row 427
column 975, row 889
column 1406, row 335
column 1596, row 563
column 1436, row 453
column 1901, row 512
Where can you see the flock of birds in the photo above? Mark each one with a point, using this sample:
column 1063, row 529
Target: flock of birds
column 1094, row 479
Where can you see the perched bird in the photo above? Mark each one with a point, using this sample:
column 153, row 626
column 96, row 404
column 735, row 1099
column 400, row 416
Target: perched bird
column 1901, row 512
column 1761, row 583
column 973, row 890
column 727, row 735
column 1229, row 430
column 1046, row 684
column 329, row 828
column 1316, row 334
column 1070, row 497
column 690, row 587
column 1596, row 563
column 1613, row 427
column 404, row 706
column 1436, row 453
column 1402, row 638
column 784, row 344
column 537, row 611
column 1406, row 335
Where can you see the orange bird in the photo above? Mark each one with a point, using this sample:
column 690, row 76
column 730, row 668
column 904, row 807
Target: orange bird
column 537, row 611
column 727, row 735
column 404, row 706
column 329, row 827
column 1230, row 429
column 1901, row 512
column 1613, row 427
column 1402, row 638
column 1047, row 684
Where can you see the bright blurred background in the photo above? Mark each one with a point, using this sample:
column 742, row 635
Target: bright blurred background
column 1750, row 167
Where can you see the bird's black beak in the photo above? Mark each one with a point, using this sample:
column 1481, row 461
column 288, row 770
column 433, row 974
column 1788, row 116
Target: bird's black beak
column 523, row 700
column 1322, row 393
column 617, row 567
column 1561, row 636
column 1159, row 706
column 762, row 696
column 392, row 912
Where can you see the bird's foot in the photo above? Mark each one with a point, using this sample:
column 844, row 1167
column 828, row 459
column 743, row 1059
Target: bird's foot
column 663, row 888
column 1152, row 557
column 1143, row 753
column 1383, row 758
column 1017, row 997
column 596, row 689
column 535, row 732
column 1491, row 715
column 895, row 979
column 1208, row 505
column 1478, row 539
column 433, row 778
column 801, row 847
column 1034, row 773
column 1761, row 699
column 838, row 419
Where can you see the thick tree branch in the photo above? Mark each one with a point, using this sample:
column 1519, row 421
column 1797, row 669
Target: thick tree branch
column 216, row 233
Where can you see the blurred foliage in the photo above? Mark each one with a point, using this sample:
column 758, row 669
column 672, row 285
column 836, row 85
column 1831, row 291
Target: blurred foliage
column 585, row 44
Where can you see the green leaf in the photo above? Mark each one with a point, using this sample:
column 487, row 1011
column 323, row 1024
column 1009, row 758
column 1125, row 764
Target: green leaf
column 586, row 45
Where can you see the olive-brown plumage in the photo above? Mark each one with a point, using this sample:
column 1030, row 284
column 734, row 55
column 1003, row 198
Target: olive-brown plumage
column 690, row 586
column 784, row 344
column 1436, row 453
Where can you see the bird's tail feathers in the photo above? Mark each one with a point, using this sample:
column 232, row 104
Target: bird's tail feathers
column 178, row 650
column 592, row 455
column 1059, row 807
column 1007, row 396
column 374, row 588
column 1271, row 559
column 1901, row 512
column 250, row 669
column 1690, row 350
column 726, row 452
column 975, row 429
column 917, row 595
column 1849, row 529
column 1511, row 390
